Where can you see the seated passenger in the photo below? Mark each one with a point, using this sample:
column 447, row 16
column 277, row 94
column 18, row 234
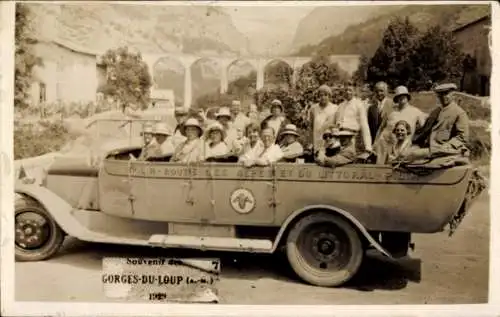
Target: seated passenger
column 162, row 144
column 249, row 143
column 191, row 150
column 445, row 132
column 269, row 153
column 291, row 148
column 331, row 145
column 346, row 153
column 149, row 141
column 402, row 142
column 214, row 144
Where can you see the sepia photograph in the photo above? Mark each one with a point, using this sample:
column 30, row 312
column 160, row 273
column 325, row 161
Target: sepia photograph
column 250, row 153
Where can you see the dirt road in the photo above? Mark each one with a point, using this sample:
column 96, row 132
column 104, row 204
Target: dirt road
column 448, row 271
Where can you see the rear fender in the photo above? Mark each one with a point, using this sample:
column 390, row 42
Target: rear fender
column 307, row 210
column 57, row 207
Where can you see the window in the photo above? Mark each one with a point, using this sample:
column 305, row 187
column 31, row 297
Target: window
column 43, row 93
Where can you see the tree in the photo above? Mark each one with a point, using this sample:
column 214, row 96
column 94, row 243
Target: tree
column 392, row 62
column 359, row 75
column 437, row 57
column 128, row 79
column 25, row 57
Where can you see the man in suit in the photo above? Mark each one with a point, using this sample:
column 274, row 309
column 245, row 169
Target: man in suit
column 379, row 108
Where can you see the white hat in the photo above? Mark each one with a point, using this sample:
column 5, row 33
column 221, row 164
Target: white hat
column 216, row 126
column 401, row 91
column 191, row 122
column 223, row 112
column 290, row 129
column 338, row 132
column 444, row 88
column 147, row 128
column 277, row 103
column 181, row 111
column 162, row 128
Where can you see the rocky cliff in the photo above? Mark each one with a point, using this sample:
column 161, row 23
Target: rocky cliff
column 148, row 28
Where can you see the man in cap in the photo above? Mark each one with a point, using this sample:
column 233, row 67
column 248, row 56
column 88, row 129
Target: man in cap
column 346, row 152
column 446, row 130
column 320, row 113
column 240, row 120
column 291, row 148
column 378, row 109
column 161, row 144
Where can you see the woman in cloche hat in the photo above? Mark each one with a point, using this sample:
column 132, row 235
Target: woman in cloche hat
column 402, row 110
column 191, row 150
column 291, row 148
column 215, row 145
column 276, row 120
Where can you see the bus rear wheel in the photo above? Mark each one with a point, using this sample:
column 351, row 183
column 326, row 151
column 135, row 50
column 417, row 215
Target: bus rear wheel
column 324, row 249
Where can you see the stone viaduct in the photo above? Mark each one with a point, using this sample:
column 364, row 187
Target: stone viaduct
column 349, row 63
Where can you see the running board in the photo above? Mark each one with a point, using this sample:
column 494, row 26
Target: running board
column 211, row 243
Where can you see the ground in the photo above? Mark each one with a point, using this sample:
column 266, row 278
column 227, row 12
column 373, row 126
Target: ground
column 443, row 270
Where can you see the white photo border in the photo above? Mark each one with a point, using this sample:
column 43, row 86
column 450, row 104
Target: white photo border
column 10, row 307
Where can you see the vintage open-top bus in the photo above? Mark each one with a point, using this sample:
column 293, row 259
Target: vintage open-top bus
column 324, row 218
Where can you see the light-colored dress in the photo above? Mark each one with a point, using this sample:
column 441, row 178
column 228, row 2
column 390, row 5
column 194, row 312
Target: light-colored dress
column 319, row 117
column 271, row 154
column 385, row 139
column 189, row 152
column 275, row 124
column 241, row 121
column 251, row 153
column 219, row 149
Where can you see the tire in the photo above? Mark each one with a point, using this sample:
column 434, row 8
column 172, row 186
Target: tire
column 51, row 236
column 316, row 233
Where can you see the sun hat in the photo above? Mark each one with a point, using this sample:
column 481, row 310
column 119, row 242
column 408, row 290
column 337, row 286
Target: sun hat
column 326, row 89
column 401, row 91
column 223, row 112
column 215, row 126
column 180, row 111
column 162, row 129
column 191, row 122
column 445, row 88
column 290, row 129
column 276, row 103
column 147, row 128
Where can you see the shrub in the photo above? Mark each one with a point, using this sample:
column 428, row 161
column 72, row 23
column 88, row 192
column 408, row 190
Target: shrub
column 37, row 139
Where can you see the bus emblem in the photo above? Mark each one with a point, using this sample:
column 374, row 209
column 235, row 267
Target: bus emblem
column 242, row 201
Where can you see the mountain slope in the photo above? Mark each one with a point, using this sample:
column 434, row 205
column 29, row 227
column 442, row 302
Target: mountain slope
column 365, row 37
column 148, row 28
column 324, row 22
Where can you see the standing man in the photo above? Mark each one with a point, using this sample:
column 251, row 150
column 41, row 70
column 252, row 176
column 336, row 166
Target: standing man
column 446, row 130
column 379, row 109
column 320, row 113
column 240, row 120
column 351, row 116
column 181, row 115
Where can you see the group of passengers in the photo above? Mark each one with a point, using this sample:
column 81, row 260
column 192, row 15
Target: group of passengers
column 382, row 130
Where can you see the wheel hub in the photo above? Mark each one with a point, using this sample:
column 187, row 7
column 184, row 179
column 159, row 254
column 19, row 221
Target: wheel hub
column 326, row 246
column 29, row 234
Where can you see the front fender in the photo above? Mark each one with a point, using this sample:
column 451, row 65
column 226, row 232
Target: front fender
column 58, row 208
column 298, row 213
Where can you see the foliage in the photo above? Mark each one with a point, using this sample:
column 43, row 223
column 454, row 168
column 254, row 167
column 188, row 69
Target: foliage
column 37, row 139
column 392, row 62
column 437, row 57
column 128, row 77
column 359, row 76
column 25, row 57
